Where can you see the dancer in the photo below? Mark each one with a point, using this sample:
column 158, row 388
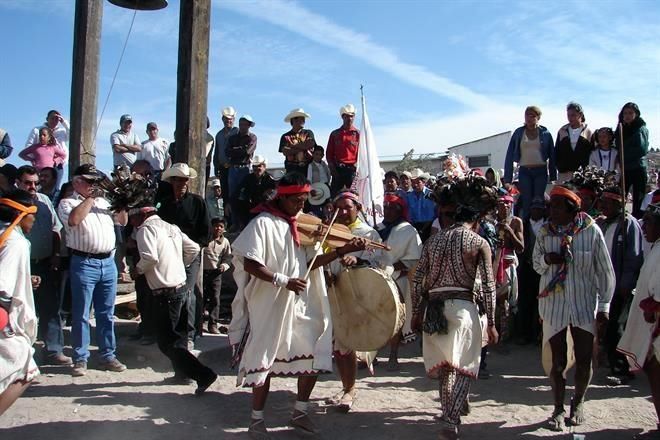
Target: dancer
column 445, row 299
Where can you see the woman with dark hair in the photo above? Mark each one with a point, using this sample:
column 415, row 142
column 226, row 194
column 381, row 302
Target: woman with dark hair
column 573, row 146
column 446, row 306
column 577, row 283
column 18, row 320
column 636, row 147
column 531, row 147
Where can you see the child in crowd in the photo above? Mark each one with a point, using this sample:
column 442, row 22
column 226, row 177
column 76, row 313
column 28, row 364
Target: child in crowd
column 605, row 155
column 318, row 170
column 47, row 153
column 217, row 256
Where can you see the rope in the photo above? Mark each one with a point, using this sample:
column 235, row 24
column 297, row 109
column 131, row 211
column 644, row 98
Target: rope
column 112, row 84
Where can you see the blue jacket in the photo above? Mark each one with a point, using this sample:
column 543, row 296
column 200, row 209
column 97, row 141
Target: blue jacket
column 421, row 208
column 513, row 152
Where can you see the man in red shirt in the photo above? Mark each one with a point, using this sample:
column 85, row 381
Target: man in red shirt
column 342, row 150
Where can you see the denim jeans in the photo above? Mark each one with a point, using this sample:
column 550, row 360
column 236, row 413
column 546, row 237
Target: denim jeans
column 532, row 183
column 48, row 302
column 93, row 281
column 171, row 317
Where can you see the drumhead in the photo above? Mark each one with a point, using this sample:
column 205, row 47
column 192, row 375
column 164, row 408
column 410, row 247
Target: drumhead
column 366, row 310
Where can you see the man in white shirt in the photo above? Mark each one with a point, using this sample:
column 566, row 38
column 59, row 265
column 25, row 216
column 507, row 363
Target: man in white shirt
column 125, row 143
column 90, row 235
column 164, row 252
column 154, row 150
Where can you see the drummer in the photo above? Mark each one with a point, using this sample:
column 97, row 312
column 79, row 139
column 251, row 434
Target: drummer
column 348, row 205
column 402, row 237
column 280, row 325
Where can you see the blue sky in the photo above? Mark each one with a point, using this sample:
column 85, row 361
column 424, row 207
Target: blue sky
column 436, row 73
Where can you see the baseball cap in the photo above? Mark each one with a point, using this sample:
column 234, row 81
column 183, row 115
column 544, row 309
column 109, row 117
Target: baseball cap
column 125, row 118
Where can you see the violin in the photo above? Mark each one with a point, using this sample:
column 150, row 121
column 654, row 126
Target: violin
column 312, row 230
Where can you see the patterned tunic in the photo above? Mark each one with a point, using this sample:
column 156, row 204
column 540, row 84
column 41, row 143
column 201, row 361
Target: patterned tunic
column 444, row 266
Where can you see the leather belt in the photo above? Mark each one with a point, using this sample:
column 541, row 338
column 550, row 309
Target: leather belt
column 102, row 256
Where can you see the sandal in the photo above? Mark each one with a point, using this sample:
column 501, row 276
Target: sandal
column 302, row 423
column 334, row 400
column 257, row 430
column 556, row 422
column 347, row 401
column 393, row 365
column 577, row 413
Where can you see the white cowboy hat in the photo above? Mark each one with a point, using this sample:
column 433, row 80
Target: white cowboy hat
column 179, row 170
column 419, row 174
column 407, row 174
column 296, row 113
column 228, row 112
column 247, row 118
column 348, row 109
column 215, row 182
column 320, row 193
column 258, row 159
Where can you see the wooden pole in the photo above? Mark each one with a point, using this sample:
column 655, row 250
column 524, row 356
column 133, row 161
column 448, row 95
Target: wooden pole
column 85, row 82
column 192, row 88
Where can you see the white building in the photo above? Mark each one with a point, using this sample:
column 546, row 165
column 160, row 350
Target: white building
column 485, row 153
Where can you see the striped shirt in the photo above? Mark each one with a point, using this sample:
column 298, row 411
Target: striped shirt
column 96, row 233
column 590, row 279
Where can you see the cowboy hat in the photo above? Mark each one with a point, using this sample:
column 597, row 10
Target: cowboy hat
column 296, row 113
column 179, row 170
column 228, row 112
column 247, row 118
column 319, row 194
column 215, row 182
column 419, row 174
column 348, row 109
column 408, row 174
column 258, row 160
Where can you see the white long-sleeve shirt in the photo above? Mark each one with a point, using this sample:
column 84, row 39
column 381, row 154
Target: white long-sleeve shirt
column 164, row 253
column 590, row 280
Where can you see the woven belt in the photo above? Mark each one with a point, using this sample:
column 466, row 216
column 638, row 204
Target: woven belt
column 102, row 256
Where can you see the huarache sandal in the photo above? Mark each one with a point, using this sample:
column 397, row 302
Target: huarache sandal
column 257, row 430
column 302, row 423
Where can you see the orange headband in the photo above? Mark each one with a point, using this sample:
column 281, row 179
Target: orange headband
column 22, row 209
column 565, row 192
column 287, row 190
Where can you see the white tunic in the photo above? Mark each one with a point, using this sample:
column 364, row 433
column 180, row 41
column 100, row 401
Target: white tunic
column 290, row 335
column 637, row 342
column 16, row 362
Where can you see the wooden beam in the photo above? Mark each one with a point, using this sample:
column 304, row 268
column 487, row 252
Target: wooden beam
column 85, row 82
column 192, row 88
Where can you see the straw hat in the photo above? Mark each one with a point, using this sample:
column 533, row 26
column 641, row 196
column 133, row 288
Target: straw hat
column 348, row 109
column 296, row 113
column 179, row 170
column 320, row 193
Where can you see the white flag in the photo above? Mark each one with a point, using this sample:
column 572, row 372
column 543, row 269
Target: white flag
column 369, row 176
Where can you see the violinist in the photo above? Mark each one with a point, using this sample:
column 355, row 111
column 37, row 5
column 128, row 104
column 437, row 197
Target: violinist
column 287, row 330
column 348, row 207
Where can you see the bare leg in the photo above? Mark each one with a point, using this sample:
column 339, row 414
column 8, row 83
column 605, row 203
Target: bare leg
column 11, row 394
column 583, row 346
column 393, row 362
column 305, row 387
column 347, row 367
column 652, row 370
column 557, row 381
column 259, row 395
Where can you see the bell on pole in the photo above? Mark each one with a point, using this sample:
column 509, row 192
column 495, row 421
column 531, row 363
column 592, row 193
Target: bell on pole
column 140, row 5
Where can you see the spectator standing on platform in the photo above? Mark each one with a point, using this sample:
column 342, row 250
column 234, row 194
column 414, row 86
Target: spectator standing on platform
column 220, row 160
column 217, row 256
column 239, row 151
column 89, row 226
column 60, row 128
column 573, row 146
column 318, row 170
column 342, row 150
column 636, row 144
column 44, row 238
column 531, row 147
column 215, row 204
column 605, row 156
column 155, row 150
column 125, row 143
column 45, row 153
column 297, row 144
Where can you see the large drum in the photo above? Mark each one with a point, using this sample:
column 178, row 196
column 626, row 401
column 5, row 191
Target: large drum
column 367, row 310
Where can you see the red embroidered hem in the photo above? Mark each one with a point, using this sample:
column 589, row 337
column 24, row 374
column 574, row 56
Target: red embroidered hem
column 433, row 371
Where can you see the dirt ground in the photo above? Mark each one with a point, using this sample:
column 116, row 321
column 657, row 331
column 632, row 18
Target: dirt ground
column 514, row 403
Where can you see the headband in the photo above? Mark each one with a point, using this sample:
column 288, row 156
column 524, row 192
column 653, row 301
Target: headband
column 567, row 193
column 396, row 200
column 144, row 210
column 347, row 195
column 23, row 211
column 588, row 191
column 287, row 190
column 507, row 199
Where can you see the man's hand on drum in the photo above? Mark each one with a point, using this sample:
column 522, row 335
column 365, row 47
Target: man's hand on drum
column 493, row 336
column 354, row 245
column 297, row 285
column 348, row 260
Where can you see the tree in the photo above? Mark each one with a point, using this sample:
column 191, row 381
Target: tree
column 409, row 162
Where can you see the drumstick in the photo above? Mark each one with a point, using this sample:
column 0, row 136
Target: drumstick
column 325, row 236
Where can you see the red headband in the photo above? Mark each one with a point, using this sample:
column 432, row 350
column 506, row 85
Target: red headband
column 394, row 199
column 587, row 191
column 293, row 189
column 507, row 199
column 347, row 195
column 567, row 193
column 612, row 196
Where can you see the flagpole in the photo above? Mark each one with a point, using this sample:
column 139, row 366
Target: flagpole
column 366, row 142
